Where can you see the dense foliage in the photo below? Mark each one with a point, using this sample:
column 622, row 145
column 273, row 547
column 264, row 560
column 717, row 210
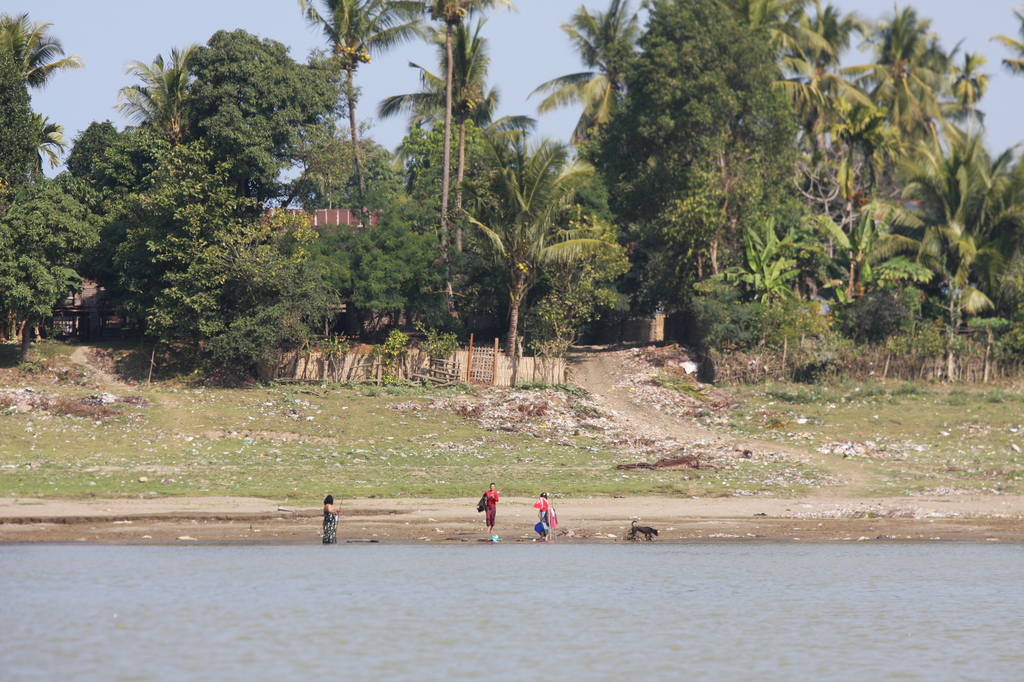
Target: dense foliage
column 737, row 164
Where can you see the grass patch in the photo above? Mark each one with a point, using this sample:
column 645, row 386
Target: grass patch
column 297, row 443
column 679, row 385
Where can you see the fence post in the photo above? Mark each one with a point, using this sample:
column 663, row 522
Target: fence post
column 494, row 363
column 469, row 361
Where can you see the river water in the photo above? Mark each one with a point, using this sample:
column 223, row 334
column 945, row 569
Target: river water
column 512, row 612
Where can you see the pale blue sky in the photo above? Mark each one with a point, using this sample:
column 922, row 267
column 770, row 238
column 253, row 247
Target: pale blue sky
column 527, row 48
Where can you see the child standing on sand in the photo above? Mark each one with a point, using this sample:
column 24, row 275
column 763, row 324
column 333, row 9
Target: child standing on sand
column 548, row 518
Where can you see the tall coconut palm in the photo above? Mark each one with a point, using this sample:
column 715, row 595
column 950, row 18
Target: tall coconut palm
column 864, row 143
column 355, row 30
column 49, row 140
column 452, row 14
column 161, row 100
column 472, row 101
column 812, row 80
column 968, row 85
column 1014, row 64
column 603, row 41
column 906, row 77
column 782, row 20
column 520, row 212
column 38, row 53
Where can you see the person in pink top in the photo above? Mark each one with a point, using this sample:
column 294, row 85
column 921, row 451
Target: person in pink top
column 548, row 518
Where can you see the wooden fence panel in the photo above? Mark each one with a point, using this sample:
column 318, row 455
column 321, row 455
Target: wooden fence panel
column 361, row 366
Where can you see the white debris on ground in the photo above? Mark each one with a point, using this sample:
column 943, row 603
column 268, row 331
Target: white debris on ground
column 561, row 417
column 99, row 405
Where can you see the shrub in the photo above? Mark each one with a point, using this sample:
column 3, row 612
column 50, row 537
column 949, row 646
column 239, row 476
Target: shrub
column 822, row 359
column 874, row 317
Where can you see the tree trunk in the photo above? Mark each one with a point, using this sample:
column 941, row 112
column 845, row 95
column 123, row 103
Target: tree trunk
column 458, row 185
column 516, row 296
column 446, row 163
column 357, row 156
column 26, row 341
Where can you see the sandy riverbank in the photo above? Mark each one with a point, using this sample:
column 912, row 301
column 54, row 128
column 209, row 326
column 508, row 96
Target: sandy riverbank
column 213, row 519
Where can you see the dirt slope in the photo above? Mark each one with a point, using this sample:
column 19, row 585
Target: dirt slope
column 603, row 372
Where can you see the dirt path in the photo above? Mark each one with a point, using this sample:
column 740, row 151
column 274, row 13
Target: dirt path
column 601, row 372
column 82, row 356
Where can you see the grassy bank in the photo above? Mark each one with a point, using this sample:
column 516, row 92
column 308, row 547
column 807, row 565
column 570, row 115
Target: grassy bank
column 914, row 438
column 296, row 443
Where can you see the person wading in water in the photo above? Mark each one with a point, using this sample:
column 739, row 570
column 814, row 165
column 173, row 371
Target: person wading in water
column 331, row 514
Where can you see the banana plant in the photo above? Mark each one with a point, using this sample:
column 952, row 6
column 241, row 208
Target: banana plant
column 767, row 272
column 873, row 252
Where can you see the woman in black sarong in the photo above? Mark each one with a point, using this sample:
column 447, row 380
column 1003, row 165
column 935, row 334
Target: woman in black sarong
column 330, row 521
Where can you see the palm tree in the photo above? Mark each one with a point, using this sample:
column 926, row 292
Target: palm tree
column 864, row 142
column 1015, row 64
column 355, row 30
column 603, row 40
column 782, row 20
column 813, row 82
column 162, row 98
column 452, row 13
column 38, row 54
column 519, row 212
column 968, row 86
column 472, row 101
column 50, row 141
column 906, row 77
column 966, row 225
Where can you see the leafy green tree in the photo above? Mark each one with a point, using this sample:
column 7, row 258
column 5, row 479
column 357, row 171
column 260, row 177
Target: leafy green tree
column 37, row 54
column 252, row 104
column 519, row 217
column 1014, row 64
column 604, row 41
column 42, row 236
column 202, row 272
column 18, row 138
column 702, row 145
column 162, row 98
column 355, row 30
column 577, row 293
column 88, row 148
column 328, row 177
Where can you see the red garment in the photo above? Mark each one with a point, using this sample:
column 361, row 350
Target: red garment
column 491, row 497
column 542, row 504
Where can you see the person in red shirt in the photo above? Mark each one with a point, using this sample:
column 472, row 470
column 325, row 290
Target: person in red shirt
column 546, row 513
column 491, row 502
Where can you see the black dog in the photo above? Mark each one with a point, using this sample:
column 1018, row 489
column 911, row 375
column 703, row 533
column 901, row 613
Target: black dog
column 635, row 531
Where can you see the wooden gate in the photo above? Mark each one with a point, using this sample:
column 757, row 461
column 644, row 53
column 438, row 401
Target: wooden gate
column 481, row 363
